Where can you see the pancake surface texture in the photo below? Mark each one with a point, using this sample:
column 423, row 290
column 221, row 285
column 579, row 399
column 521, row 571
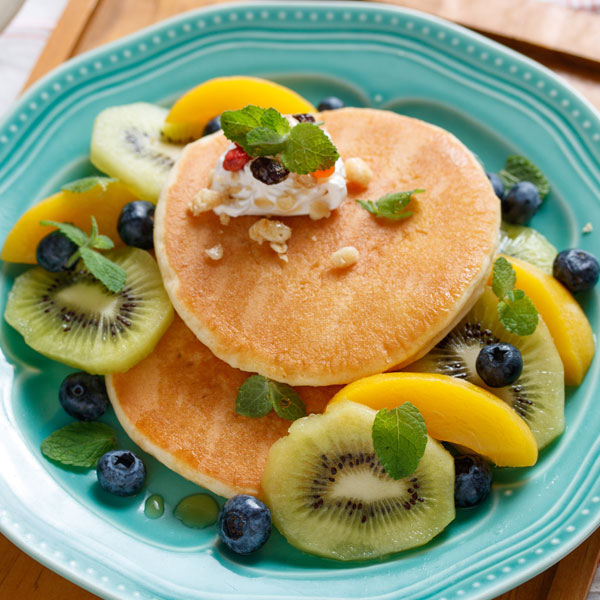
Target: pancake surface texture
column 178, row 404
column 303, row 322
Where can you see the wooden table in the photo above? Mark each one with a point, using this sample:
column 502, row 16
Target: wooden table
column 565, row 41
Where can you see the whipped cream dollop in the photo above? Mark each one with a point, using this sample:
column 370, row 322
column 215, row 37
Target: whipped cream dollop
column 295, row 195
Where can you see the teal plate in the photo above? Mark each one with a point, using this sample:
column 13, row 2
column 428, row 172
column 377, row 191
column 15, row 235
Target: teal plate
column 496, row 101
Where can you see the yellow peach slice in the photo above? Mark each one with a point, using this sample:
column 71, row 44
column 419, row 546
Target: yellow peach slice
column 75, row 203
column 190, row 114
column 568, row 325
column 455, row 411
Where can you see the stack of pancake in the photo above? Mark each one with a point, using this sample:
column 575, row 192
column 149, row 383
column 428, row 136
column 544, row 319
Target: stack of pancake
column 303, row 322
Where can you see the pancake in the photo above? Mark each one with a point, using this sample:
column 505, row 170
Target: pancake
column 178, row 404
column 303, row 322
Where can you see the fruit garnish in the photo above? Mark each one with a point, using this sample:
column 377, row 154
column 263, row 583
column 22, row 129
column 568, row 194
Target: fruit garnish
column 72, row 317
column 576, row 269
column 126, row 144
column 520, row 203
column 330, row 495
column 473, row 480
column 83, row 396
column 54, row 252
column 516, row 311
column 79, row 444
column 330, row 103
column 499, row 365
column 235, row 159
column 136, row 224
column 527, row 244
column 324, row 173
column 391, row 206
column 244, row 524
column 75, row 203
column 496, row 184
column 268, row 170
column 304, row 148
column 519, row 168
column 455, row 411
column 537, row 396
column 258, row 396
column 98, row 265
column 190, row 115
column 564, row 317
column 121, row 472
column 399, row 438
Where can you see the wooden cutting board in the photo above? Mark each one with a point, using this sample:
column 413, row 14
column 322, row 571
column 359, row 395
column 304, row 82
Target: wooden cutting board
column 563, row 40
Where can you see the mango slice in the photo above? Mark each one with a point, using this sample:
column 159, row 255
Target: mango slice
column 568, row 325
column 101, row 197
column 455, row 411
column 190, row 114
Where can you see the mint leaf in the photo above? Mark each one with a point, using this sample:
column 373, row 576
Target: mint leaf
column 258, row 395
column 86, row 184
column 391, row 206
column 286, row 402
column 504, row 277
column 308, row 149
column 518, row 315
column 253, row 397
column 275, row 121
column 102, row 242
column 262, row 141
column 236, row 124
column 519, row 168
column 79, row 444
column 111, row 275
column 73, row 233
column 399, row 438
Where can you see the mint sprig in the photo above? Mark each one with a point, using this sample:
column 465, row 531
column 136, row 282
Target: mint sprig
column 79, row 444
column 399, row 438
column 391, row 206
column 519, row 168
column 258, row 396
column 516, row 311
column 111, row 275
column 80, row 186
column 304, row 148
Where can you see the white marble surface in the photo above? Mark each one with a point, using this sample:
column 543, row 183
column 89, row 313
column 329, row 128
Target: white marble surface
column 23, row 40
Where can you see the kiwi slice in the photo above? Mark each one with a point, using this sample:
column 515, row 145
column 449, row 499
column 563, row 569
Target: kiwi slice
column 538, row 395
column 73, row 318
column 329, row 494
column 127, row 144
column 528, row 245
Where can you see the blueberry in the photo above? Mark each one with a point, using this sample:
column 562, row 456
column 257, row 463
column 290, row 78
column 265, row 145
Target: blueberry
column 83, row 396
column 121, row 472
column 473, row 480
column 330, row 103
column 136, row 224
column 213, row 125
column 496, row 184
column 54, row 251
column 576, row 269
column 499, row 364
column 304, row 118
column 520, row 203
column 268, row 170
column 244, row 524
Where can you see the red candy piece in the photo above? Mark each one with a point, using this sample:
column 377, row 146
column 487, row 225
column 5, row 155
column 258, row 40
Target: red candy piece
column 235, row 159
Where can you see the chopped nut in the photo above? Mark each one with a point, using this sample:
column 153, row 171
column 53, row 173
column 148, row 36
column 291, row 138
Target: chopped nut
column 314, row 238
column 216, row 252
column 270, row 230
column 319, row 210
column 358, row 171
column 235, row 189
column 587, row 228
column 224, row 219
column 284, row 257
column 344, row 257
column 263, row 203
column 286, row 202
column 279, row 248
column 307, row 181
column 204, row 201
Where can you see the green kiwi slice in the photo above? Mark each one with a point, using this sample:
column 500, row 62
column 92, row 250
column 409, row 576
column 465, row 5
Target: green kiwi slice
column 73, row 318
column 528, row 245
column 127, row 144
column 329, row 494
column 537, row 396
